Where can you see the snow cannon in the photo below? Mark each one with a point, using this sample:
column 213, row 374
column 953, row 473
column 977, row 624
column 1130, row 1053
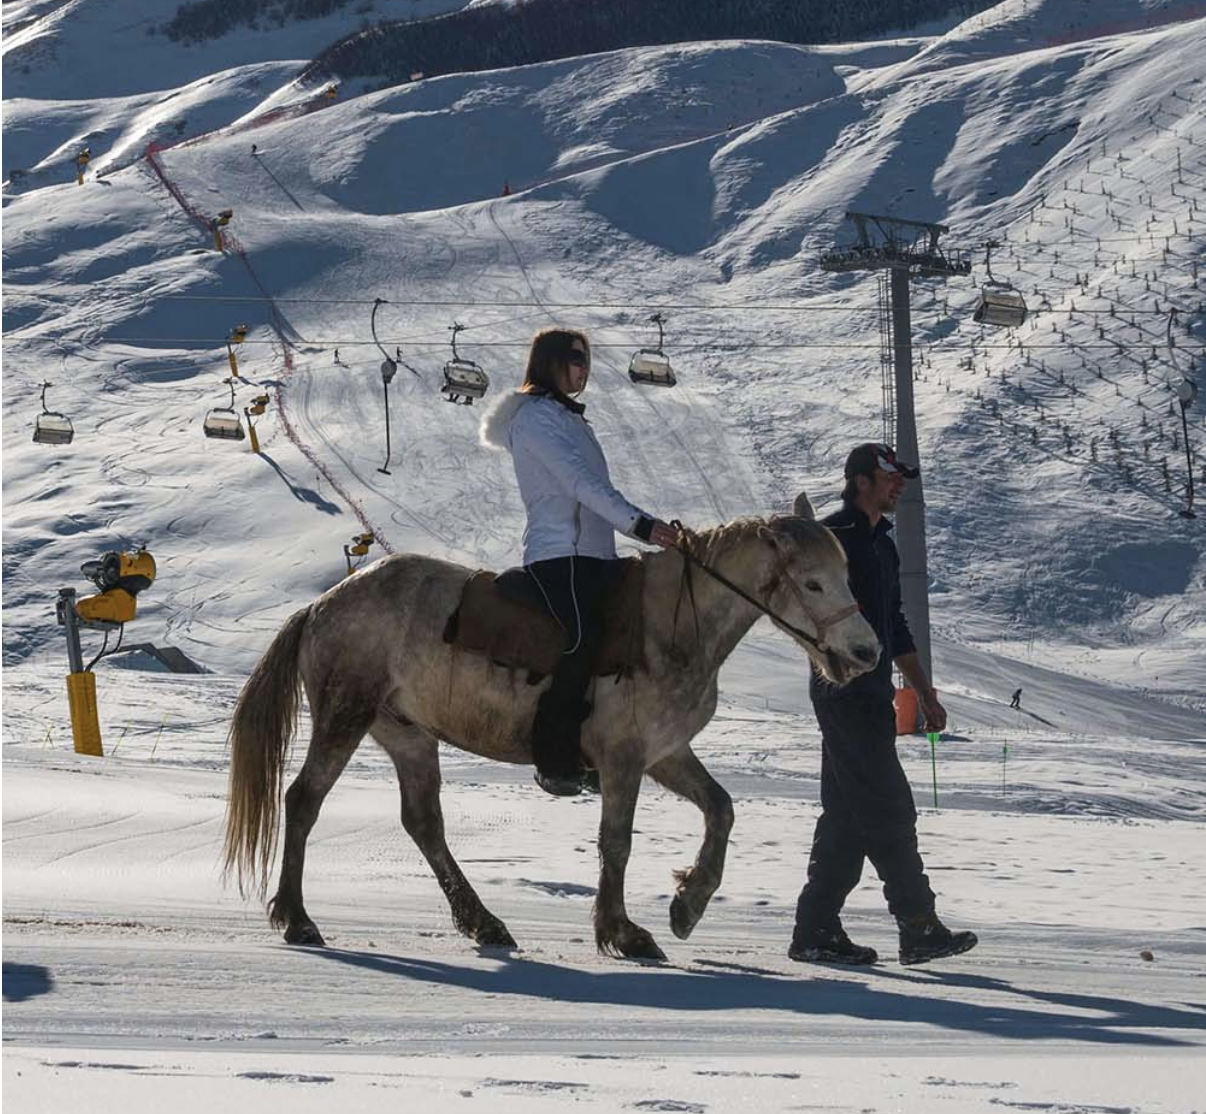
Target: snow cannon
column 358, row 548
column 236, row 336
column 120, row 577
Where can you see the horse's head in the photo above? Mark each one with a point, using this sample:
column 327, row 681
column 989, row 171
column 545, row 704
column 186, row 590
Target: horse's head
column 808, row 589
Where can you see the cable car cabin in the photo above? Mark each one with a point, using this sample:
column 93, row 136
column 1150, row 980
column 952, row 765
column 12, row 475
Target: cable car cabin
column 224, row 424
column 651, row 366
column 53, row 429
column 1001, row 306
column 464, row 381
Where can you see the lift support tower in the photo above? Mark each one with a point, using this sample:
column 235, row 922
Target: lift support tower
column 904, row 248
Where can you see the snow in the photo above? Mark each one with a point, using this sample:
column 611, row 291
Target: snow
column 704, row 176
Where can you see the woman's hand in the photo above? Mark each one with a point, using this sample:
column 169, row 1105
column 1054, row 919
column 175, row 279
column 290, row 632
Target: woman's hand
column 664, row 535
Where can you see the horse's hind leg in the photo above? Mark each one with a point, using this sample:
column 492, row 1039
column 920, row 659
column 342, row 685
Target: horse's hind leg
column 331, row 745
column 684, row 774
column 415, row 755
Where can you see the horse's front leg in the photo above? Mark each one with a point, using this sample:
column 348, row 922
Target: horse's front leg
column 620, row 776
column 684, row 774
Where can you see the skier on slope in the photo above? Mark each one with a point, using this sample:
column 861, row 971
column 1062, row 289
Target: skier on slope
column 867, row 809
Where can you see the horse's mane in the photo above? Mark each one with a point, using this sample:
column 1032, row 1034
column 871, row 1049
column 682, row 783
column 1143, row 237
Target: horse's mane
column 707, row 545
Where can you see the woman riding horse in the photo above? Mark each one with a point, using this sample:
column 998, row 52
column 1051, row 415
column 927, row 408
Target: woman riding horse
column 569, row 546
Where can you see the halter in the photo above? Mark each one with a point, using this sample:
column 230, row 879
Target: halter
column 822, row 623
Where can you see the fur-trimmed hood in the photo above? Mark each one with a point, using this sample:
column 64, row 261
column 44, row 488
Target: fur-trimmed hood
column 495, row 428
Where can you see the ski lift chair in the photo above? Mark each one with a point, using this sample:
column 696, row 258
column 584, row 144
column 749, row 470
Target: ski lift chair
column 52, row 428
column 463, row 379
column 999, row 304
column 223, row 422
column 652, row 365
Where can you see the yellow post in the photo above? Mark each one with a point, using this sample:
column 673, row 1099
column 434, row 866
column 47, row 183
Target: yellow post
column 255, row 441
column 85, row 719
column 79, row 175
column 234, row 364
column 217, row 236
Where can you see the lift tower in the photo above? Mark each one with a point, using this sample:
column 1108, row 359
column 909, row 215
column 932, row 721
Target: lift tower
column 904, row 248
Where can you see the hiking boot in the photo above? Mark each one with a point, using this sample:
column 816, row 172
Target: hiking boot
column 560, row 784
column 829, row 945
column 925, row 937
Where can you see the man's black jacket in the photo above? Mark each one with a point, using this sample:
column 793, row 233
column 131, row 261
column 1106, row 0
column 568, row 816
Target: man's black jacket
column 874, row 574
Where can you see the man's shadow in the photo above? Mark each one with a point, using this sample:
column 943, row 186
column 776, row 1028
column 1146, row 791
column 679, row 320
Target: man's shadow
column 302, row 494
column 729, row 988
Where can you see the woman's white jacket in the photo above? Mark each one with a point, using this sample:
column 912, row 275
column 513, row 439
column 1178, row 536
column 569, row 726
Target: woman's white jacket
column 563, row 479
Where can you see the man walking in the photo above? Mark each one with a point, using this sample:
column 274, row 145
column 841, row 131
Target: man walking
column 867, row 809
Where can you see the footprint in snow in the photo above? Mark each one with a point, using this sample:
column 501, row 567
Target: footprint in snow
column 284, row 1077
column 670, row 1105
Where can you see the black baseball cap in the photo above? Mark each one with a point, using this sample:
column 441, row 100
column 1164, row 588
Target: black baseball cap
column 865, row 458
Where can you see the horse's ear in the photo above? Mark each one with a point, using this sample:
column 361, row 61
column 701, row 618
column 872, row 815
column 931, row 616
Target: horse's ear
column 802, row 508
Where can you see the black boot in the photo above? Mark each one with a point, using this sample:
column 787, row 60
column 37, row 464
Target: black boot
column 555, row 746
column 829, row 945
column 925, row 937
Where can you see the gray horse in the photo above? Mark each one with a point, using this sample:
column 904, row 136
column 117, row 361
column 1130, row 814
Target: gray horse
column 373, row 660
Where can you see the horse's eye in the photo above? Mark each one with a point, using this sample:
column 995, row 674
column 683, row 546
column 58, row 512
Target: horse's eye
column 813, row 585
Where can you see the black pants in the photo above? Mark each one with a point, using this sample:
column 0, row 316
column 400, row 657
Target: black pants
column 576, row 590
column 867, row 812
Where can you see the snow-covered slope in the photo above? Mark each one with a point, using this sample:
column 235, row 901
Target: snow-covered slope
column 702, row 176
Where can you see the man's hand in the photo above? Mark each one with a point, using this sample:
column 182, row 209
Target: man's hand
column 932, row 710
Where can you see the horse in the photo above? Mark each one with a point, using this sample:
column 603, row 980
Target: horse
column 372, row 658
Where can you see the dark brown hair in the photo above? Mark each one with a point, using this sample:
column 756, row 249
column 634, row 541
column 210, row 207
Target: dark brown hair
column 550, row 350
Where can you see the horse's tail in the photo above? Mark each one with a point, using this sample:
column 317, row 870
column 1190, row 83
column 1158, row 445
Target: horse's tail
column 264, row 721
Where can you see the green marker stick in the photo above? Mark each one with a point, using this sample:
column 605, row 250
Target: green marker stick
column 933, row 737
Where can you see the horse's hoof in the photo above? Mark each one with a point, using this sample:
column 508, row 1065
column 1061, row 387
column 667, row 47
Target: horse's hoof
column 494, row 934
column 682, row 920
column 640, row 945
column 306, row 935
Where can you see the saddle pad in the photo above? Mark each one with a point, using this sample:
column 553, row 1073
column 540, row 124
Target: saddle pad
column 488, row 622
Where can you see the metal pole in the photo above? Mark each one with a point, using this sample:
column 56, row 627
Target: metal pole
column 1188, row 512
column 388, row 451
column 75, row 656
column 910, row 511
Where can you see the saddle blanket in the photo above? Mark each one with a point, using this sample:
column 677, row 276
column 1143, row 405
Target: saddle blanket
column 505, row 618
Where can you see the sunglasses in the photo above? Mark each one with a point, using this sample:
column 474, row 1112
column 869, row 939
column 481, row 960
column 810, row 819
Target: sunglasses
column 578, row 359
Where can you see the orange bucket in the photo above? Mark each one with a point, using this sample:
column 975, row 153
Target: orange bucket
column 906, row 711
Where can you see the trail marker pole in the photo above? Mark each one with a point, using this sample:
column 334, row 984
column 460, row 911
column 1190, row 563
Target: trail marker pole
column 933, row 738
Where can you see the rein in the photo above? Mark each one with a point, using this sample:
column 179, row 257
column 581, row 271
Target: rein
column 817, row 641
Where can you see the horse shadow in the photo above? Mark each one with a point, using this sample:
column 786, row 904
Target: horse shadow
column 715, row 987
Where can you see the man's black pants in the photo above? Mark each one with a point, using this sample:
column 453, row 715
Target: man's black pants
column 867, row 811
column 576, row 590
